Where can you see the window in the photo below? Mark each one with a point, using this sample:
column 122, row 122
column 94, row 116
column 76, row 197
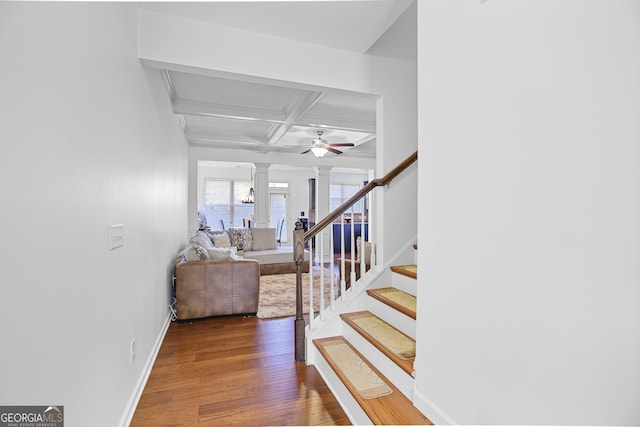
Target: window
column 223, row 201
column 340, row 193
column 279, row 185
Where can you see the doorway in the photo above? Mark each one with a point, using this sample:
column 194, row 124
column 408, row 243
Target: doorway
column 278, row 210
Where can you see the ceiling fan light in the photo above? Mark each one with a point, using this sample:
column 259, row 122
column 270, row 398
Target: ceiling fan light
column 319, row 151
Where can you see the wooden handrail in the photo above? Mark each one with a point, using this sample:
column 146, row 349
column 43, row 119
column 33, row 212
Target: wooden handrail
column 299, row 237
column 324, row 222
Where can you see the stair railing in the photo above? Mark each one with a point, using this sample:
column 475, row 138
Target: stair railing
column 300, row 237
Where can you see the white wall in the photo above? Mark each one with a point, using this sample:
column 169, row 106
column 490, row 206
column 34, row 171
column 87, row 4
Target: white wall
column 195, row 46
column 86, row 144
column 393, row 74
column 530, row 158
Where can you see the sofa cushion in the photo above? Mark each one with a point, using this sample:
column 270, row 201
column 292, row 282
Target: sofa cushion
column 221, row 240
column 274, row 256
column 263, row 238
column 241, row 238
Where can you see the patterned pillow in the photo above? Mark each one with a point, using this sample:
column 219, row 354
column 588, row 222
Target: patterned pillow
column 241, row 237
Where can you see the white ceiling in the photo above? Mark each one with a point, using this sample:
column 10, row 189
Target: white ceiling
column 245, row 115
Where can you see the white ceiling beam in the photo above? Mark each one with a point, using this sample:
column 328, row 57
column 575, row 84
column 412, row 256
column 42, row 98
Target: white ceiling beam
column 168, row 83
column 207, row 109
column 338, row 123
column 298, row 105
column 213, row 137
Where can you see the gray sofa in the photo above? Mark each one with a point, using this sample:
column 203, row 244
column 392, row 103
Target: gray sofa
column 251, row 243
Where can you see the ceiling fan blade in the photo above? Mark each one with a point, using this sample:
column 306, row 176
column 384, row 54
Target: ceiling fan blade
column 344, row 144
column 333, row 150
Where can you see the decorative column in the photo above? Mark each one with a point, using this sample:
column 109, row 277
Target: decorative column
column 261, row 209
column 322, row 210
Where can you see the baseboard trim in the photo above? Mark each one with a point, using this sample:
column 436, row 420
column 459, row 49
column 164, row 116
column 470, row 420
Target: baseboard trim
column 130, row 409
column 431, row 410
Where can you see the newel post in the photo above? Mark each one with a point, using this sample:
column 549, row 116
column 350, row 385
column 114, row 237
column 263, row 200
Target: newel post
column 298, row 258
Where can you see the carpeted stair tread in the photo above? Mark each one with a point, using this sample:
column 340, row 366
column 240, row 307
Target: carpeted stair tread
column 397, row 299
column 397, row 346
column 406, row 270
column 360, row 376
column 388, row 409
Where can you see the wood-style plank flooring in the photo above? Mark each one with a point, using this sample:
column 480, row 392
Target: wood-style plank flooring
column 234, row 371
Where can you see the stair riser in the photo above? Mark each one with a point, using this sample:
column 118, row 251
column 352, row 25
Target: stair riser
column 403, row 381
column 404, row 283
column 398, row 320
column 346, row 400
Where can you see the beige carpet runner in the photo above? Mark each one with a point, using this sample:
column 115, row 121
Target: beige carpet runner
column 397, row 342
column 399, row 297
column 364, row 380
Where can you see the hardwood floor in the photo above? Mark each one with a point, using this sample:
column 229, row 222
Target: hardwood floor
column 234, row 371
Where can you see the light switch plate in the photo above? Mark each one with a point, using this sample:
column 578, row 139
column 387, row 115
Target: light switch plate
column 116, row 236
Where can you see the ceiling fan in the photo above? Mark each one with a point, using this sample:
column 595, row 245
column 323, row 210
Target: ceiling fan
column 320, row 147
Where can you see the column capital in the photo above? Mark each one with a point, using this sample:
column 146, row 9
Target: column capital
column 322, row 170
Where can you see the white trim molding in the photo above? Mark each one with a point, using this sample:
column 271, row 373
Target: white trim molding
column 136, row 394
column 431, row 410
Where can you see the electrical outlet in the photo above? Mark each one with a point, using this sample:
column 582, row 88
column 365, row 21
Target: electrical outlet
column 132, row 355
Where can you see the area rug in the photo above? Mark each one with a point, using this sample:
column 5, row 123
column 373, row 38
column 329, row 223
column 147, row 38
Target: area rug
column 278, row 293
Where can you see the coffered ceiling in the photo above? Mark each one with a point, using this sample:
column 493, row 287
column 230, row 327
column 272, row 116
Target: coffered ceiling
column 268, row 118
column 235, row 114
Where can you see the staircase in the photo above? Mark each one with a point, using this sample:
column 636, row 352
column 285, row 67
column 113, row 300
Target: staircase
column 369, row 366
column 363, row 341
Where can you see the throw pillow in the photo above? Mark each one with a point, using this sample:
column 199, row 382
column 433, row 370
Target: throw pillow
column 195, row 253
column 212, row 233
column 219, row 253
column 221, row 240
column 241, row 237
column 263, row 238
column 202, row 239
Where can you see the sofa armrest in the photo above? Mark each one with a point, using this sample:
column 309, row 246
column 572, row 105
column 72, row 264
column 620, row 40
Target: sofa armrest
column 216, row 287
